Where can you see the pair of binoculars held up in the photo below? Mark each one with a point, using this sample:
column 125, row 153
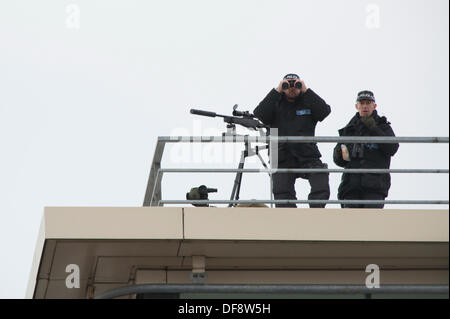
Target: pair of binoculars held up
column 292, row 83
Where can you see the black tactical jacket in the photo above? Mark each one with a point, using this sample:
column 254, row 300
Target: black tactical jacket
column 297, row 118
column 366, row 155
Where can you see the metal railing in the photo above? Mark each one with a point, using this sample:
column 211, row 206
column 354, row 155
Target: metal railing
column 153, row 194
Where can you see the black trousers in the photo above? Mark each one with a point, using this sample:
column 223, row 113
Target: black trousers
column 284, row 183
column 363, row 194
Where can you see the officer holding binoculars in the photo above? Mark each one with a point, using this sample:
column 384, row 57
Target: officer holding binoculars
column 294, row 110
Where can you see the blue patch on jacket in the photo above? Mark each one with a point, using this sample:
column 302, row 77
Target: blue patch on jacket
column 372, row 146
column 303, row 112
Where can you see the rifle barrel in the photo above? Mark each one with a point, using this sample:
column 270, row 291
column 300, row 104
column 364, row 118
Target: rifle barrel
column 204, row 113
column 244, row 121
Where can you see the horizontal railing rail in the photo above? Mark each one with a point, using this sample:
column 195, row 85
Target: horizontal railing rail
column 304, row 170
column 300, row 139
column 311, row 201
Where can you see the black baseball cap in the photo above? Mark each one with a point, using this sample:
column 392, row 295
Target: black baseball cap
column 291, row 76
column 365, row 95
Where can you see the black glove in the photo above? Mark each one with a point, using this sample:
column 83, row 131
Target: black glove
column 369, row 122
column 338, row 152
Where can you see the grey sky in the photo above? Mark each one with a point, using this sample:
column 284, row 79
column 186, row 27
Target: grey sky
column 81, row 108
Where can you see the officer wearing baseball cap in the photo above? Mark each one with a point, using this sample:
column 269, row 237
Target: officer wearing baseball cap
column 366, row 122
column 365, row 95
column 295, row 110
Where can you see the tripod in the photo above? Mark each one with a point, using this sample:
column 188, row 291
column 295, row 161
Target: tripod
column 247, row 152
column 247, row 120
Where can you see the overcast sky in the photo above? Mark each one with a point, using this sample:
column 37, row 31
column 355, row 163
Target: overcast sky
column 87, row 86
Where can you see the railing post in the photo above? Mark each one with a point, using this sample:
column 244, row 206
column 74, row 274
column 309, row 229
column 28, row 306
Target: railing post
column 153, row 193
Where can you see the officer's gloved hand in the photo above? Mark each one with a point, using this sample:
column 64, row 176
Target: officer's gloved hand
column 345, row 153
column 338, row 152
column 341, row 152
column 369, row 122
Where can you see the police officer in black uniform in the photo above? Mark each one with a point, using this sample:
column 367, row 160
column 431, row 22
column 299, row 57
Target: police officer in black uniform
column 365, row 186
column 294, row 110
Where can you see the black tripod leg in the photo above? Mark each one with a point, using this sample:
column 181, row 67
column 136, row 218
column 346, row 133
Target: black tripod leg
column 262, row 162
column 266, row 167
column 237, row 181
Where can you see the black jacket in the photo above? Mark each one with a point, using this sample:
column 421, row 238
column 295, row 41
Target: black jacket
column 298, row 118
column 366, row 155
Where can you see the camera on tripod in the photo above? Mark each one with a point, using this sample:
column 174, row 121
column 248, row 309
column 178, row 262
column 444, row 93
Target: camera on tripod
column 200, row 193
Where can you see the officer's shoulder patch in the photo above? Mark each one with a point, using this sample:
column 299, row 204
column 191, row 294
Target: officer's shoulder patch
column 303, row 112
column 372, row 146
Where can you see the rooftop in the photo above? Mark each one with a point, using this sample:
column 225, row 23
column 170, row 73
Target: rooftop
column 119, row 246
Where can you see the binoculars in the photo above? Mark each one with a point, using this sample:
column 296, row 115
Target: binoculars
column 292, row 83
